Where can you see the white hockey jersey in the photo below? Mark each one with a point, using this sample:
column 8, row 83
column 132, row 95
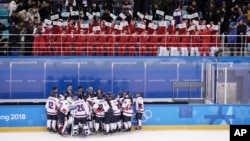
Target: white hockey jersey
column 116, row 107
column 64, row 106
column 139, row 105
column 127, row 107
column 91, row 101
column 52, row 105
column 99, row 108
column 81, row 109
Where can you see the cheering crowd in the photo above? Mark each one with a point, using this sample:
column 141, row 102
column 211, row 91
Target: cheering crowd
column 136, row 28
column 90, row 113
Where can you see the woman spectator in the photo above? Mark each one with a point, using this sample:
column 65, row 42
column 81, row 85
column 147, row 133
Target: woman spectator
column 108, row 5
column 12, row 7
column 32, row 13
column 193, row 8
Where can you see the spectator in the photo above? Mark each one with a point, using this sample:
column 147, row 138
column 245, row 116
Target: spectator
column 12, row 7
column 44, row 11
column 168, row 6
column 20, row 7
column 13, row 19
column 241, row 32
column 193, row 8
column 146, row 6
column 138, row 7
column 106, row 16
column 108, row 5
column 29, row 38
column 56, row 7
column 4, row 47
column 156, row 5
column 70, row 2
column 248, row 12
column 23, row 16
column 22, row 40
column 32, row 13
column 223, row 19
column 2, row 28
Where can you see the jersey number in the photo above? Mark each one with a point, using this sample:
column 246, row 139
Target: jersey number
column 51, row 104
column 80, row 108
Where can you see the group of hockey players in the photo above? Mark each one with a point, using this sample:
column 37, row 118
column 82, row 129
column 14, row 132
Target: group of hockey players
column 90, row 113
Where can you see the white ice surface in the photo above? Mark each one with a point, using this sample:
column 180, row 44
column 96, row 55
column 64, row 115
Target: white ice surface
column 168, row 135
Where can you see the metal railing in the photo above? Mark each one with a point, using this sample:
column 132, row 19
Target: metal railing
column 122, row 45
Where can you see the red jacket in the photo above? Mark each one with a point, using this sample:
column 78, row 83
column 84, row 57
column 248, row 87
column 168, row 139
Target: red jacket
column 132, row 41
column 174, row 41
column 185, row 41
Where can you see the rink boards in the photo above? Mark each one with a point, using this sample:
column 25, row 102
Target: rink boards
column 33, row 77
column 155, row 117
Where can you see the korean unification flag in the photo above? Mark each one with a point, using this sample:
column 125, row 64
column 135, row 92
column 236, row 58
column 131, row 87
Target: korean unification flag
column 187, row 16
column 65, row 14
column 183, row 25
column 84, row 25
column 124, row 23
column 162, row 23
column 108, row 24
column 74, row 13
column 118, row 27
column 46, row 21
column 57, row 23
column 142, row 26
column 122, row 16
column 159, row 12
column 191, row 28
column 152, row 26
column 215, row 27
column 169, row 18
column 201, row 27
column 65, row 23
column 96, row 28
column 178, row 13
column 149, row 17
column 195, row 15
column 114, row 17
column 140, row 15
column 98, row 14
column 54, row 17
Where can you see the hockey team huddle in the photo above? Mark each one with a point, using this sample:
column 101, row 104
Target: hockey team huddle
column 89, row 113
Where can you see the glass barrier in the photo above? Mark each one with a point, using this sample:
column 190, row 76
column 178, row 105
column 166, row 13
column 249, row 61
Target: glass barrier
column 123, row 45
column 157, row 77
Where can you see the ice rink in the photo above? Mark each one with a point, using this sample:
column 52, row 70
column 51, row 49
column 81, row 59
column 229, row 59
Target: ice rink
column 168, row 135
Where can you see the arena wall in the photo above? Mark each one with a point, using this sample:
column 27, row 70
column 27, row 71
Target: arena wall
column 155, row 117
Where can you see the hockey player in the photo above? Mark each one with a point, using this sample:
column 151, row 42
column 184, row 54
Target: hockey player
column 127, row 107
column 51, row 108
column 91, row 118
column 139, row 109
column 80, row 114
column 108, row 116
column 116, row 123
column 62, row 114
column 99, row 111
